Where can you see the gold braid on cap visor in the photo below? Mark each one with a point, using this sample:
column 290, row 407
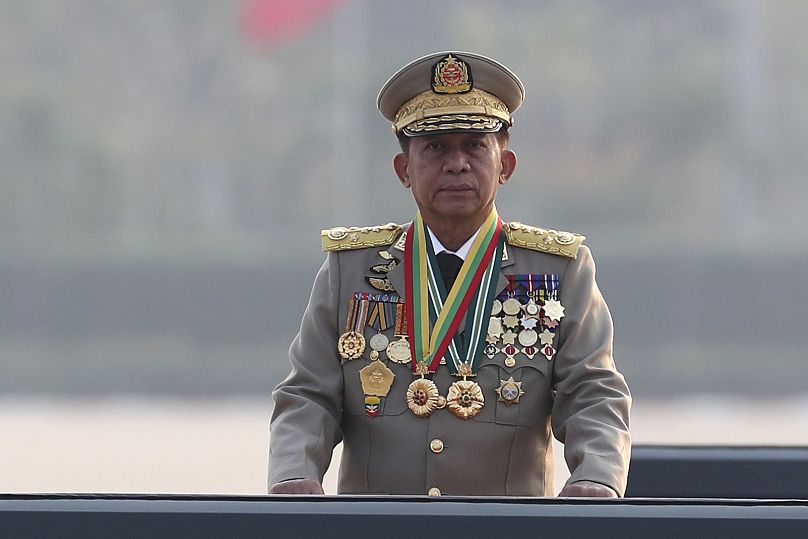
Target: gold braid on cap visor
column 477, row 107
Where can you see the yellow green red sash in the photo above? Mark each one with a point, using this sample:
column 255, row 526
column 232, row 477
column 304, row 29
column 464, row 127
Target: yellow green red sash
column 434, row 314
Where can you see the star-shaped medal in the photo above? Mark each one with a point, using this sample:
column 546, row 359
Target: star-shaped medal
column 509, row 337
column 509, row 391
column 546, row 337
column 529, row 323
column 553, row 309
column 510, row 321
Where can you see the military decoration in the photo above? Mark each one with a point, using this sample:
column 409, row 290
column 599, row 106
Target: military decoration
column 399, row 351
column 465, row 399
column 525, row 318
column 351, row 344
column 423, row 397
column 509, row 391
column 376, row 379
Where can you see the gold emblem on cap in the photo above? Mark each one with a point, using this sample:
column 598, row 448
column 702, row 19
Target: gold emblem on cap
column 451, row 76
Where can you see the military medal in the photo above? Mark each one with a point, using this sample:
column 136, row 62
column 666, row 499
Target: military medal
column 528, row 337
column 399, row 351
column 376, row 379
column 351, row 344
column 427, row 300
column 380, row 318
column 509, row 391
column 511, row 306
column 465, row 399
column 422, row 397
column 553, row 310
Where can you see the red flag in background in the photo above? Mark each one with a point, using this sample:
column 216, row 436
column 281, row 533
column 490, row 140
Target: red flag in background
column 272, row 21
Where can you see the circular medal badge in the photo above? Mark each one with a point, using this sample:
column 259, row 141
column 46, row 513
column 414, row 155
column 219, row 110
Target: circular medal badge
column 351, row 345
column 528, row 337
column 399, row 351
column 496, row 307
column 531, row 308
column 379, row 342
column 511, row 306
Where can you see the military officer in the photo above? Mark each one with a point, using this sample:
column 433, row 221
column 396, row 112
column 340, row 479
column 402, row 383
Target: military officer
column 445, row 353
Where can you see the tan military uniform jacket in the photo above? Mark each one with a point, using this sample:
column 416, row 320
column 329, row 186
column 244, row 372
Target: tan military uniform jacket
column 506, row 449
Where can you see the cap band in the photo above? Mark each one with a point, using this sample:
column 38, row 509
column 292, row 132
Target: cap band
column 454, row 123
column 477, row 103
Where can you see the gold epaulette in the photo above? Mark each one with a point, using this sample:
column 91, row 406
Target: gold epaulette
column 340, row 238
column 540, row 239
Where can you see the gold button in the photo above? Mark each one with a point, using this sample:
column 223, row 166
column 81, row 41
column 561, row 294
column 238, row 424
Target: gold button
column 434, row 491
column 436, row 446
column 510, row 362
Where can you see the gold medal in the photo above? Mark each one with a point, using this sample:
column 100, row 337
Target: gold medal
column 351, row 345
column 399, row 351
column 531, row 308
column 553, row 310
column 423, row 397
column 546, row 337
column 376, row 379
column 509, row 391
column 496, row 307
column 511, row 306
column 465, row 399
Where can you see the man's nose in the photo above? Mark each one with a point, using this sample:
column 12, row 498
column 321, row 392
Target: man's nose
column 456, row 161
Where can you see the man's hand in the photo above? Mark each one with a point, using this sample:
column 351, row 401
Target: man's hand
column 297, row 486
column 587, row 488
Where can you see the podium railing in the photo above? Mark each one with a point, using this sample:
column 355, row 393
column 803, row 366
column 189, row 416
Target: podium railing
column 152, row 516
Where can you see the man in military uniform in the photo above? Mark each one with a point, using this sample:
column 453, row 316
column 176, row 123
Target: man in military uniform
column 446, row 352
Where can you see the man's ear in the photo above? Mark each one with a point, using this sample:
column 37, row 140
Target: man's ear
column 400, row 162
column 508, row 161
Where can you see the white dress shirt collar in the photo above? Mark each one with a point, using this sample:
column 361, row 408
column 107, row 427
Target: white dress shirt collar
column 463, row 252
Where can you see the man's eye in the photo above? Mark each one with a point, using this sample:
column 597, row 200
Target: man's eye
column 433, row 146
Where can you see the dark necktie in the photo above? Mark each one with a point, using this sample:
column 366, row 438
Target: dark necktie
column 449, row 268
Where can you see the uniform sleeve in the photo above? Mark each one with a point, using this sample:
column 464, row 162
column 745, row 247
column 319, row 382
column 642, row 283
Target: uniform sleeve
column 591, row 407
column 305, row 424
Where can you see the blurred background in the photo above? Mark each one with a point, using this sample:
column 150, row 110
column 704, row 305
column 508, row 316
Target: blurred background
column 166, row 168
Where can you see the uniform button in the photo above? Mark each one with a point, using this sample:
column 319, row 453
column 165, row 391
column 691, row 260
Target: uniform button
column 436, row 445
column 434, row 491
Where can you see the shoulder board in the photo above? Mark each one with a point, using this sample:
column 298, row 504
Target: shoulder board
column 342, row 239
column 540, row 239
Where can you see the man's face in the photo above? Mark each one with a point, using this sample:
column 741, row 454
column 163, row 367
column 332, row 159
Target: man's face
column 455, row 176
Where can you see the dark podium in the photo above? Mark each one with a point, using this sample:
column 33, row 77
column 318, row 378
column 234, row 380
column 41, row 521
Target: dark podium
column 120, row 516
column 672, row 492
